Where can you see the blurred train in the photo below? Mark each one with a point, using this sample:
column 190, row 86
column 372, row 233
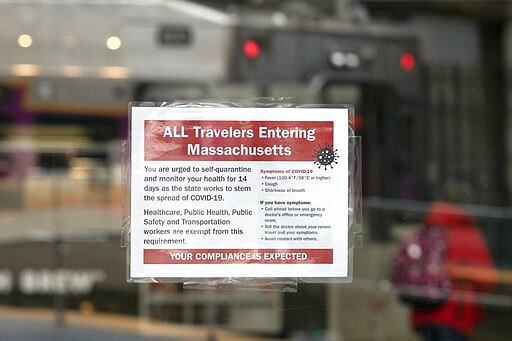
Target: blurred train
column 79, row 63
column 69, row 69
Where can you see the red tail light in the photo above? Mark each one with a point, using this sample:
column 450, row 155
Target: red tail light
column 251, row 49
column 407, row 61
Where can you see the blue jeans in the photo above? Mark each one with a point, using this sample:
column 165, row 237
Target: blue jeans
column 441, row 333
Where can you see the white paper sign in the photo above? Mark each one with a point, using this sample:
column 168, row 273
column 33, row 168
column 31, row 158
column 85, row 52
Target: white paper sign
column 239, row 192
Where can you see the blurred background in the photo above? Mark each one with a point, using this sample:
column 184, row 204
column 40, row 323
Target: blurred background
column 429, row 82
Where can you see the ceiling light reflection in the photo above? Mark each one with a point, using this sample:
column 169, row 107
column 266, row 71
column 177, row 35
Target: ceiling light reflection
column 116, row 72
column 25, row 40
column 25, row 70
column 113, row 43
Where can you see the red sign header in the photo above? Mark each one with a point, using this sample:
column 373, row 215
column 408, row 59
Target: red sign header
column 186, row 140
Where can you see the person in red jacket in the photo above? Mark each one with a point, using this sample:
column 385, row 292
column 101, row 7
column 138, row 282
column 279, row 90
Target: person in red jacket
column 471, row 269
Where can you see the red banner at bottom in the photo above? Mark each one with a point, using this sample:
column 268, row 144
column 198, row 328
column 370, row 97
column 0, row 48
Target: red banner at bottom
column 238, row 256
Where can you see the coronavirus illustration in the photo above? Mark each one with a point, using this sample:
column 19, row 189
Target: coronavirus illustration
column 326, row 156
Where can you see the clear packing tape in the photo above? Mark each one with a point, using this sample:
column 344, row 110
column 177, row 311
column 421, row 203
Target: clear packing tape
column 281, row 283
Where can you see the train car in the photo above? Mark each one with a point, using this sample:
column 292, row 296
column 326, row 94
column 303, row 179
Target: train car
column 80, row 63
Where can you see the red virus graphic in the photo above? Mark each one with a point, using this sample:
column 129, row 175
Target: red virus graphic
column 326, row 156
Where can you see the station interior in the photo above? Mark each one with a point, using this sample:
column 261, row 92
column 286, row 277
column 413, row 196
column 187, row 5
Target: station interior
column 428, row 81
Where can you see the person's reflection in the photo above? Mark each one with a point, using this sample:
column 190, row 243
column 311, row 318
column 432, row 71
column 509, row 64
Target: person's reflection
column 470, row 268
